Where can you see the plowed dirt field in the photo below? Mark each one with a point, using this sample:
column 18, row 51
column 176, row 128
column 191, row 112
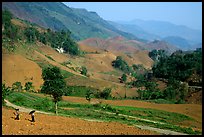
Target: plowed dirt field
column 58, row 125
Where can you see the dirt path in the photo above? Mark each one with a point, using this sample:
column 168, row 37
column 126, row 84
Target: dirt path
column 23, row 109
column 162, row 131
column 166, row 132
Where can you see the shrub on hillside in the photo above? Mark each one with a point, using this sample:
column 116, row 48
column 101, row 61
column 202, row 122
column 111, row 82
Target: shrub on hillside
column 17, row 86
column 5, row 91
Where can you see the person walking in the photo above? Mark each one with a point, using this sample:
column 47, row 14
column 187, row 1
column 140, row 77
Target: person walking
column 32, row 116
column 17, row 114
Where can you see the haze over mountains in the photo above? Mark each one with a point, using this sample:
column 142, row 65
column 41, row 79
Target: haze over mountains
column 84, row 24
column 183, row 37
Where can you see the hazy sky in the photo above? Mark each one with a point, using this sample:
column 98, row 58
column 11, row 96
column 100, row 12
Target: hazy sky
column 180, row 13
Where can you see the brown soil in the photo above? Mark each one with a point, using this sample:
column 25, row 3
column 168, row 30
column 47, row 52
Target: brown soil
column 17, row 68
column 52, row 53
column 58, row 125
column 195, row 98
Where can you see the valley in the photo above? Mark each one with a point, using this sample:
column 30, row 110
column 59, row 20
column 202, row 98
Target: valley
column 115, row 83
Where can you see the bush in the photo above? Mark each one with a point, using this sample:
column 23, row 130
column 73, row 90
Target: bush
column 84, row 71
column 5, row 91
column 88, row 95
column 121, row 64
column 17, row 86
column 105, row 93
column 29, row 86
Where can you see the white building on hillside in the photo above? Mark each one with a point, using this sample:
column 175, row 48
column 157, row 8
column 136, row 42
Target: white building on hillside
column 60, row 50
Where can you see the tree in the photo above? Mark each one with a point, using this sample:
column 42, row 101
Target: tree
column 29, row 86
column 121, row 64
column 5, row 91
column 31, row 33
column 10, row 30
column 54, row 84
column 88, row 95
column 83, row 71
column 123, row 78
column 6, row 17
column 105, row 93
column 17, row 86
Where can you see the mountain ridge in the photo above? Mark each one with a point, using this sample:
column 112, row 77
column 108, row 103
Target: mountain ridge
column 82, row 23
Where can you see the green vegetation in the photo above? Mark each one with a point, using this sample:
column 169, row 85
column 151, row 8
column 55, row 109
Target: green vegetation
column 84, row 70
column 65, row 73
column 31, row 34
column 17, row 86
column 54, row 84
column 10, row 30
column 103, row 94
column 123, row 78
column 50, row 57
column 5, row 92
column 29, row 87
column 59, row 39
column 79, row 91
column 89, row 94
column 180, row 66
column 179, row 70
column 121, row 64
column 157, row 55
column 99, row 112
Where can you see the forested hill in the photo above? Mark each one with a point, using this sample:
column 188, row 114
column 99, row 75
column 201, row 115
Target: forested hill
column 57, row 16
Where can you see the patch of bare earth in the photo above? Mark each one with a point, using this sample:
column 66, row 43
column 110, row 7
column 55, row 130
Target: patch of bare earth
column 58, row 125
column 18, row 68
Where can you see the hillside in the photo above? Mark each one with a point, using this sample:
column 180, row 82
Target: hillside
column 179, row 42
column 101, row 73
column 158, row 44
column 57, row 16
column 18, row 68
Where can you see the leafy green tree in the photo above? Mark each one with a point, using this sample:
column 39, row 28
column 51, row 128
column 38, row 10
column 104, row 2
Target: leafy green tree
column 179, row 66
column 29, row 86
column 6, row 17
column 105, row 93
column 84, row 71
column 156, row 55
column 124, row 78
column 121, row 64
column 5, row 91
column 17, row 86
column 89, row 94
column 42, row 38
column 10, row 30
column 54, row 84
column 31, row 34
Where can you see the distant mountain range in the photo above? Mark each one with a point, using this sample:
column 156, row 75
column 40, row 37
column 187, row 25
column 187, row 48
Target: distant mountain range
column 183, row 37
column 84, row 25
